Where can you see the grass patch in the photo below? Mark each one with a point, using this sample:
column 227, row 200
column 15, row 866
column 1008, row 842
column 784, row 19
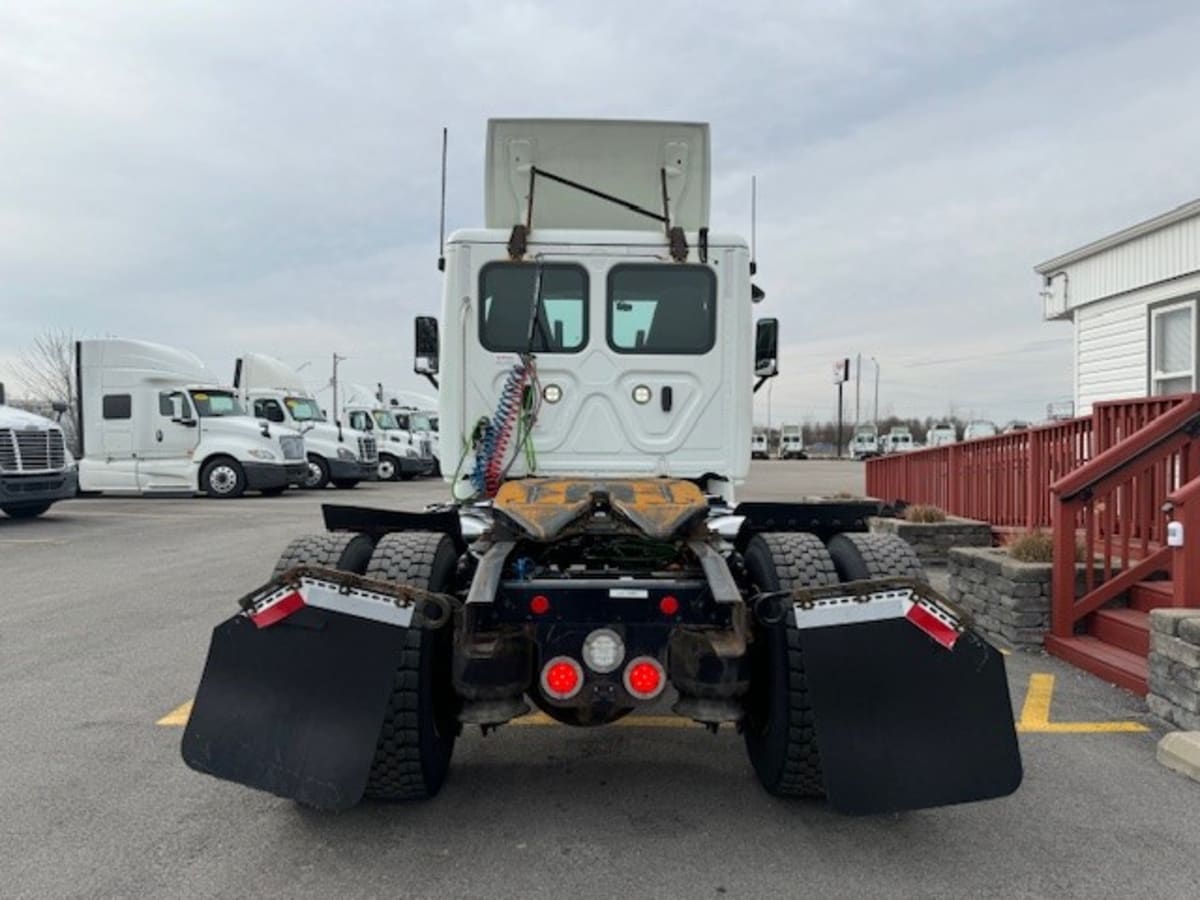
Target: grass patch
column 924, row 513
column 1037, row 546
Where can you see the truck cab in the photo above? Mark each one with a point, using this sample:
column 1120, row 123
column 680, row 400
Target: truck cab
column 400, row 457
column 899, row 440
column 791, row 443
column 154, row 419
column 942, row 436
column 979, row 428
column 865, row 443
column 36, row 470
column 273, row 391
column 758, row 445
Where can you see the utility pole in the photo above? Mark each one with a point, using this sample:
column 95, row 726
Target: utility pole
column 336, row 359
column 857, row 386
column 874, row 360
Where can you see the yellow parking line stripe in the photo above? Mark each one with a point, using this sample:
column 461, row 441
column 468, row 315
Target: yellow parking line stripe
column 1035, row 714
column 178, row 717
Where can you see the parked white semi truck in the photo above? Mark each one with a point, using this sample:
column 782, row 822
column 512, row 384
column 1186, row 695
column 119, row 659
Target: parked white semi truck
column 36, row 470
column 416, row 414
column 865, row 443
column 154, row 419
column 401, row 456
column 272, row 390
column 791, row 442
column 596, row 356
column 759, row 445
column 942, row 435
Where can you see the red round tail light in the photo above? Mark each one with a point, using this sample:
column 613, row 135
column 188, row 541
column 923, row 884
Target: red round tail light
column 562, row 678
column 539, row 605
column 644, row 678
column 668, row 605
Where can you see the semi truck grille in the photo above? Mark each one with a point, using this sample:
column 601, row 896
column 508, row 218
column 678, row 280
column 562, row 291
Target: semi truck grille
column 367, row 451
column 426, row 448
column 292, row 445
column 32, row 450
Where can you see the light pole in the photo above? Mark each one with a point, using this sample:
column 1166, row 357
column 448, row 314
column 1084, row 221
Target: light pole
column 770, row 385
column 876, row 362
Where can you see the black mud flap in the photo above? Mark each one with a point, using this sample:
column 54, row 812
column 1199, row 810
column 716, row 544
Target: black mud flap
column 295, row 709
column 903, row 723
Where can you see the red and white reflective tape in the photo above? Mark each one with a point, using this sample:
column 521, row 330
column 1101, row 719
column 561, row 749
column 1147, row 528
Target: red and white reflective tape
column 276, row 604
column 897, row 603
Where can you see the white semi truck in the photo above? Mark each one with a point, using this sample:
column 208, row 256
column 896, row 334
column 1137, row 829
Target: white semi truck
column 942, row 435
column 759, row 445
column 791, row 442
column 270, row 389
column 36, row 470
column 865, row 443
column 401, row 456
column 596, row 356
column 153, row 419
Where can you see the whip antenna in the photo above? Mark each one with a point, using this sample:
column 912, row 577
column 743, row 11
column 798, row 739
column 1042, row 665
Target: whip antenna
column 442, row 217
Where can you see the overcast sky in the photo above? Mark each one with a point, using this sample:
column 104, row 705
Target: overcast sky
column 263, row 175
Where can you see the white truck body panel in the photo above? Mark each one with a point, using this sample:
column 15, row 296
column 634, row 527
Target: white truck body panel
column 625, row 159
column 140, row 447
column 597, row 429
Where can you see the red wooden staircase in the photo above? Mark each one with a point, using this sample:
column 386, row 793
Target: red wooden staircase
column 1118, row 506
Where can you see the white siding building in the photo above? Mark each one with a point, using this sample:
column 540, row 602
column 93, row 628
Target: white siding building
column 1133, row 299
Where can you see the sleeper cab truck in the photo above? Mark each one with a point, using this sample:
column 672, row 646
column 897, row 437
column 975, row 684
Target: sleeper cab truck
column 153, row 419
column 400, row 456
column 791, row 443
column 758, row 446
column 271, row 390
column 35, row 468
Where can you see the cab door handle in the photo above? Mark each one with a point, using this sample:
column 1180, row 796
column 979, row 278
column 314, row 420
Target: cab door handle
column 667, row 396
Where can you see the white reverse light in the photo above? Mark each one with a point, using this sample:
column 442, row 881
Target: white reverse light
column 603, row 650
column 641, row 394
column 552, row 393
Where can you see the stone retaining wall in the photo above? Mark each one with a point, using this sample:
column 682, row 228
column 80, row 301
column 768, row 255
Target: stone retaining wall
column 933, row 540
column 1175, row 667
column 1009, row 600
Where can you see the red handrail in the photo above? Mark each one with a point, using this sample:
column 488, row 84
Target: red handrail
column 1116, row 500
column 1005, row 480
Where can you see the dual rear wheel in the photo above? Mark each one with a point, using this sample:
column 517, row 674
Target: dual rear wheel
column 416, row 740
column 780, row 728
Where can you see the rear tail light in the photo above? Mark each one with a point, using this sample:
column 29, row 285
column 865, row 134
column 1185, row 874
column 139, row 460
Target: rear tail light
column 562, row 678
column 644, row 678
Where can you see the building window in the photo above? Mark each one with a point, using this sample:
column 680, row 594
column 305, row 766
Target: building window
column 1173, row 348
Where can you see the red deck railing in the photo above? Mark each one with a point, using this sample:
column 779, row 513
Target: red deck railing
column 1185, row 557
column 1116, row 505
column 1005, row 480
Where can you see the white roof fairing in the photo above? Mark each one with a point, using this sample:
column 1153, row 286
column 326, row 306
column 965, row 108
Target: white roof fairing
column 624, row 159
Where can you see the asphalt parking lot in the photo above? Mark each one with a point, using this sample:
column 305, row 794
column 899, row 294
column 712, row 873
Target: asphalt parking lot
column 105, row 610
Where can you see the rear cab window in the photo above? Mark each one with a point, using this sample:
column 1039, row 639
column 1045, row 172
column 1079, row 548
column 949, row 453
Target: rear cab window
column 506, row 305
column 661, row 309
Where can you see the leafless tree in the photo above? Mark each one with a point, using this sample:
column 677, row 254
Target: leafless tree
column 48, row 372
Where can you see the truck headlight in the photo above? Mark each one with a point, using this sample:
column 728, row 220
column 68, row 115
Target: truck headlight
column 343, row 453
column 262, row 454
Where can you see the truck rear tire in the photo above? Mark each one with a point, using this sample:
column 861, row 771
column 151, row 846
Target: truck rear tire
column 223, row 478
column 779, row 729
column 343, row 550
column 25, row 510
column 860, row 555
column 418, row 734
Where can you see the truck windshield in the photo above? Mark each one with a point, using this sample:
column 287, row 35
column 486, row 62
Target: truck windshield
column 662, row 309
column 215, row 404
column 506, row 294
column 304, row 409
column 419, row 422
column 385, row 420
column 433, row 424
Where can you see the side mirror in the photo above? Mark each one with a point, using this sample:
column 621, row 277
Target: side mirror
column 59, row 407
column 425, row 346
column 766, row 348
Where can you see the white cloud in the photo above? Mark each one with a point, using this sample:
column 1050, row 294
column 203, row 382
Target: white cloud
column 263, row 176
